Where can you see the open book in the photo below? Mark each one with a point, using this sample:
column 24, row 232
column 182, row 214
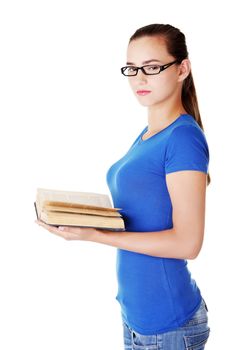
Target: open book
column 84, row 209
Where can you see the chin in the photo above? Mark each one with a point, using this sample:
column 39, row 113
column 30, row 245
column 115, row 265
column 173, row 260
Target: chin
column 148, row 100
column 146, row 103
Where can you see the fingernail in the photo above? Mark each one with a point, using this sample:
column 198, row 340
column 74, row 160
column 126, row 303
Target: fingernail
column 61, row 228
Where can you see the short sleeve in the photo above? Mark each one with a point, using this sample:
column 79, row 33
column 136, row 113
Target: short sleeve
column 187, row 149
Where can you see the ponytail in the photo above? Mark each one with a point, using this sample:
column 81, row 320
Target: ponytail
column 190, row 103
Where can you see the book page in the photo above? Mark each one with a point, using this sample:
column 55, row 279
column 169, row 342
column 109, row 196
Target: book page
column 79, row 208
column 88, row 198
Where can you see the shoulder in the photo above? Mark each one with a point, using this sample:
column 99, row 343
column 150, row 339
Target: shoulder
column 188, row 126
column 187, row 149
column 187, row 133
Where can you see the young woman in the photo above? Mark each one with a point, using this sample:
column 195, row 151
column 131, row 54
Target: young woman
column 161, row 185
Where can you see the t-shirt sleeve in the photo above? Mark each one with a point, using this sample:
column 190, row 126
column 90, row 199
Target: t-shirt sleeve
column 187, row 149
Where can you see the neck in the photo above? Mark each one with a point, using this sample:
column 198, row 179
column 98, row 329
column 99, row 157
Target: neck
column 160, row 116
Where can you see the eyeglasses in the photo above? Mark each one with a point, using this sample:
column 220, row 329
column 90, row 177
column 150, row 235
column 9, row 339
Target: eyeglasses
column 149, row 69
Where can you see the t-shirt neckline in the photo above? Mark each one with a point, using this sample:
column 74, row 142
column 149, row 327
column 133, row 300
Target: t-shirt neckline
column 146, row 129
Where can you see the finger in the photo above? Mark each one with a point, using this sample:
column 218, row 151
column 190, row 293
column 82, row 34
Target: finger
column 66, row 232
column 71, row 229
column 54, row 230
column 48, row 227
column 39, row 222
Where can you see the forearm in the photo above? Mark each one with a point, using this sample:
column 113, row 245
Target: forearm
column 167, row 243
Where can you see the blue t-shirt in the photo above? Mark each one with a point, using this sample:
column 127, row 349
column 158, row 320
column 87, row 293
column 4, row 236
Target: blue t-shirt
column 156, row 294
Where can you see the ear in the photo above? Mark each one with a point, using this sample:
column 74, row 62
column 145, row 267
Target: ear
column 184, row 69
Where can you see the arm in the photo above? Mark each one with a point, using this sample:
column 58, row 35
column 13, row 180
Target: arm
column 187, row 190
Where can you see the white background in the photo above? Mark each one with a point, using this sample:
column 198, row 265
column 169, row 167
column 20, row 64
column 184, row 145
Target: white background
column 67, row 114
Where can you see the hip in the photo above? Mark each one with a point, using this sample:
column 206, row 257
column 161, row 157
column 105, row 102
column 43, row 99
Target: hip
column 192, row 335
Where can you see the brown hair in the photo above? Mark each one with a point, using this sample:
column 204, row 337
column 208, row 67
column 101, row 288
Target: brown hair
column 176, row 46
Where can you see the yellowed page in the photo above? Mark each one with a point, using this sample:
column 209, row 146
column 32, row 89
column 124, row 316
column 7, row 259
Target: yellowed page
column 88, row 198
column 81, row 210
column 69, row 219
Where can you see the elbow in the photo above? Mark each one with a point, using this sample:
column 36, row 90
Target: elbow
column 191, row 244
column 192, row 256
column 194, row 252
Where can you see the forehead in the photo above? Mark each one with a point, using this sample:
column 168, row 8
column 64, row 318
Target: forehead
column 147, row 48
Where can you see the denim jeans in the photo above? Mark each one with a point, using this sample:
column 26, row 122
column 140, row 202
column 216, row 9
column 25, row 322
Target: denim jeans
column 193, row 335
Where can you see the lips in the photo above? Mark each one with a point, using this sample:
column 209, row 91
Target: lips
column 143, row 92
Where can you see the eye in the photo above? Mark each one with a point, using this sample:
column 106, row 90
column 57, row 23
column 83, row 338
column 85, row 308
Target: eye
column 131, row 69
column 153, row 67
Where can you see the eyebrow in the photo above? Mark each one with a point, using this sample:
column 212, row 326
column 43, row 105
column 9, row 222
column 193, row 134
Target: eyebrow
column 145, row 62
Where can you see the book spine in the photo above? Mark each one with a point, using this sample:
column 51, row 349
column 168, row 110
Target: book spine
column 36, row 211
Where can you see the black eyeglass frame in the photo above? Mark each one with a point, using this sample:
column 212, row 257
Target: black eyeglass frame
column 161, row 68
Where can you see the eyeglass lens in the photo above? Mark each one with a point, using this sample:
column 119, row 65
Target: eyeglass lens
column 152, row 69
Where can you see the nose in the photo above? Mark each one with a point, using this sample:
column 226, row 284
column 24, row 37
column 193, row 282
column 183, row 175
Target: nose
column 141, row 75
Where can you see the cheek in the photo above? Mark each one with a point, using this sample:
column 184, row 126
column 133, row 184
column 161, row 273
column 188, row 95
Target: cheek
column 132, row 84
column 164, row 86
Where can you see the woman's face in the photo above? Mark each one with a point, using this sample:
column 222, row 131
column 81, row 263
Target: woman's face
column 162, row 85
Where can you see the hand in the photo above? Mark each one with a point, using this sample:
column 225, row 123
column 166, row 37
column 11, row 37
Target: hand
column 69, row 232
